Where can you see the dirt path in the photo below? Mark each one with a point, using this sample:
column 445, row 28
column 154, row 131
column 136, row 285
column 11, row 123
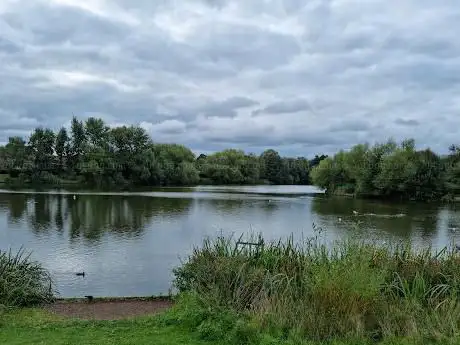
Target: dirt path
column 108, row 310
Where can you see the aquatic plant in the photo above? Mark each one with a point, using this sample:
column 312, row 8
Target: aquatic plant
column 23, row 282
column 350, row 290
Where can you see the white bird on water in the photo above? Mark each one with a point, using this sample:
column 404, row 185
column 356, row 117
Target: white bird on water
column 74, row 197
column 355, row 212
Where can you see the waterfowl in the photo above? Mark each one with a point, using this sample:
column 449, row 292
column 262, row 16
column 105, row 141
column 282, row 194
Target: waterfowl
column 80, row 274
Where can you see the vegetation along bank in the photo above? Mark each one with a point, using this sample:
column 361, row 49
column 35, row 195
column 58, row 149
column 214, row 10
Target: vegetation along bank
column 270, row 293
column 94, row 154
column 391, row 170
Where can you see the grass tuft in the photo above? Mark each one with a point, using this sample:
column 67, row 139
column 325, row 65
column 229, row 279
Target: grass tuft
column 23, row 282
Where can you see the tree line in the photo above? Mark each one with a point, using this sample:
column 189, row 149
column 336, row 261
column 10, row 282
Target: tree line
column 92, row 153
column 391, row 170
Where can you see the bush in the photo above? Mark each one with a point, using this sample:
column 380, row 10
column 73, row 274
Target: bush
column 355, row 290
column 23, row 282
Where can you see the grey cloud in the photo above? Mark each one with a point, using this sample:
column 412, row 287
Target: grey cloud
column 195, row 71
column 351, row 125
column 227, row 107
column 243, row 48
column 286, row 107
column 55, row 24
column 407, row 122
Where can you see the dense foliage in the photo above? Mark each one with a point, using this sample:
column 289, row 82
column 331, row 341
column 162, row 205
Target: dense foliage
column 390, row 170
column 95, row 154
column 23, row 282
column 310, row 292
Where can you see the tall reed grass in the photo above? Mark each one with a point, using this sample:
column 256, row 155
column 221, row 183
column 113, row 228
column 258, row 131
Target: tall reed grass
column 23, row 282
column 350, row 290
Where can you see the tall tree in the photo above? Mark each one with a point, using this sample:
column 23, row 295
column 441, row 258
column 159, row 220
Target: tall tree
column 41, row 145
column 272, row 165
column 61, row 147
column 97, row 133
column 78, row 144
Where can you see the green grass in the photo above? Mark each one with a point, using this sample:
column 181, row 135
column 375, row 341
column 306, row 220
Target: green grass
column 277, row 293
column 308, row 291
column 35, row 326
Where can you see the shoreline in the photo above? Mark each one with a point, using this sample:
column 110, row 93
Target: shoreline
column 108, row 308
column 113, row 299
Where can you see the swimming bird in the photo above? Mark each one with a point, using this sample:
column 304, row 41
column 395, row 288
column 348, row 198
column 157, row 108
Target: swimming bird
column 74, row 197
column 355, row 212
column 340, row 219
column 80, row 274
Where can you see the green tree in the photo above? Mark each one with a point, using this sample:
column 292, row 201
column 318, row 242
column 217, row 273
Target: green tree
column 41, row 146
column 77, row 146
column 16, row 159
column 271, row 163
column 97, row 133
column 61, row 148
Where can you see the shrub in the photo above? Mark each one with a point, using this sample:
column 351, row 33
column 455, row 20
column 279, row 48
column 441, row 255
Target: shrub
column 23, row 282
column 352, row 290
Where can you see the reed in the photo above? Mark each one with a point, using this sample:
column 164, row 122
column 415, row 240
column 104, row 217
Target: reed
column 23, row 282
column 349, row 290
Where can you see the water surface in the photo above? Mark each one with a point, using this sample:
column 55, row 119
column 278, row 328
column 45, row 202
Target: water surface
column 128, row 243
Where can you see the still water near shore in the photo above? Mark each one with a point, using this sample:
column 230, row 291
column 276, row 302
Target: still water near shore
column 128, row 243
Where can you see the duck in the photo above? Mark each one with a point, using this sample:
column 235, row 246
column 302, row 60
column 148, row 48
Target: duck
column 355, row 212
column 80, row 274
column 74, row 197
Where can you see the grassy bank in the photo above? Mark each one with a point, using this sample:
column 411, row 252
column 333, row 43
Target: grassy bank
column 35, row 326
column 277, row 293
column 354, row 292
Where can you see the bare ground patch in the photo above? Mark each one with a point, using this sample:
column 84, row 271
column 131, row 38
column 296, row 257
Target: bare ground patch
column 114, row 309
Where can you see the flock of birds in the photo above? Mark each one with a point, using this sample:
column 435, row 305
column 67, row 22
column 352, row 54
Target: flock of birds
column 356, row 213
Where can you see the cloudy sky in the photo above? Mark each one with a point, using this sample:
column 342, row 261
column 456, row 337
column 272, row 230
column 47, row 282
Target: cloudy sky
column 303, row 77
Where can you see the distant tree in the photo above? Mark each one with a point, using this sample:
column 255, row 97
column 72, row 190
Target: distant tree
column 95, row 154
column 41, row 147
column 77, row 145
column 315, row 161
column 61, row 148
column 271, row 163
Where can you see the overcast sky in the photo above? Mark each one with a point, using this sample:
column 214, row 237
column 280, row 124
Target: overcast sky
column 300, row 76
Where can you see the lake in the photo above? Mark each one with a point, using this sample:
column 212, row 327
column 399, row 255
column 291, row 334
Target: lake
column 128, row 243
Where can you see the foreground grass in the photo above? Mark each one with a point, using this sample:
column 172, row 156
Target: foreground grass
column 277, row 293
column 309, row 291
column 35, row 326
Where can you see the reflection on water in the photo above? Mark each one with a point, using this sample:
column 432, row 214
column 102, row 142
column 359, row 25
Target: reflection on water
column 88, row 216
column 127, row 243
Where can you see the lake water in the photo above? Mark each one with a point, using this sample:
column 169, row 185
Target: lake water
column 128, row 243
